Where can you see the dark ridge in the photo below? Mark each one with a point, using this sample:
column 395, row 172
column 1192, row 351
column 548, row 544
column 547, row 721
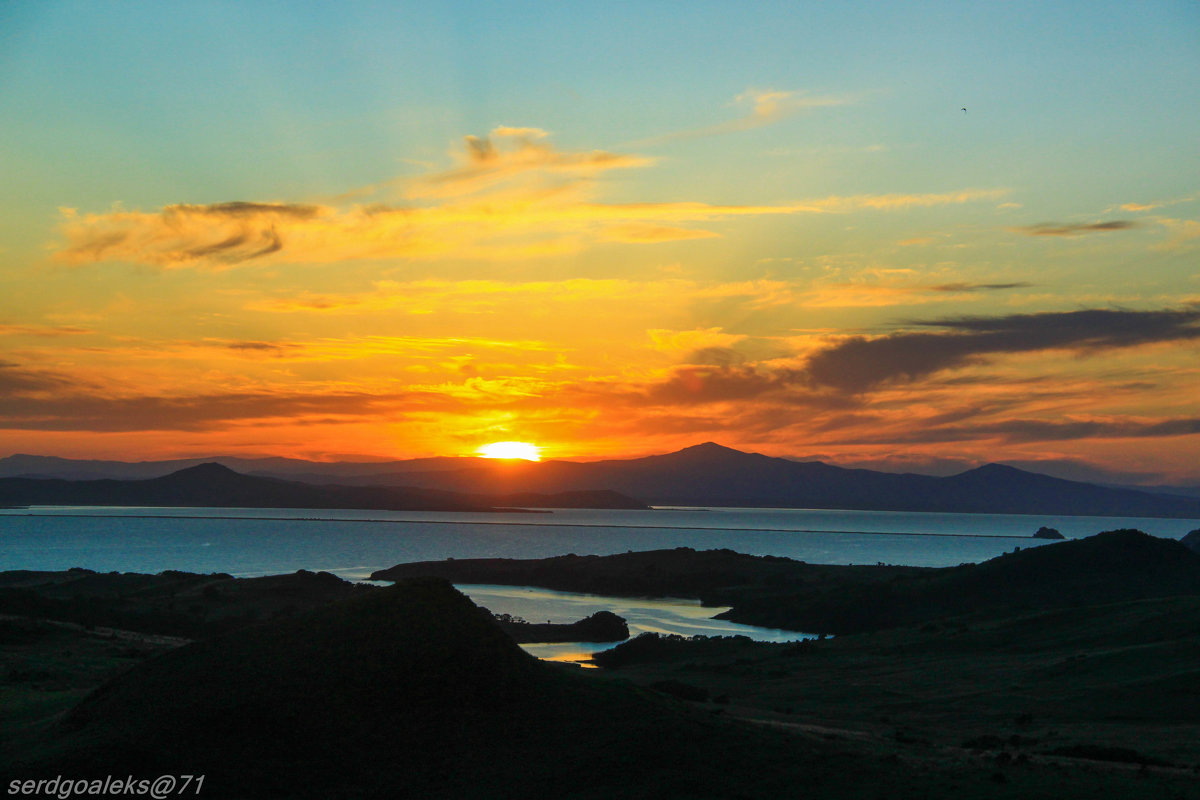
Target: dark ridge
column 172, row 603
column 781, row 593
column 411, row 691
column 1110, row 567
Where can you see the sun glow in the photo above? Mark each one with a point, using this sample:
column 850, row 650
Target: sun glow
column 522, row 450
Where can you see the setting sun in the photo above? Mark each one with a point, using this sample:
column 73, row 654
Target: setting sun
column 523, row 450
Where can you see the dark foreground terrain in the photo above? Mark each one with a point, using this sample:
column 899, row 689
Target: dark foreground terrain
column 411, row 691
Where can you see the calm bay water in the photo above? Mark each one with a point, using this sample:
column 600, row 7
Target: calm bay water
column 352, row 544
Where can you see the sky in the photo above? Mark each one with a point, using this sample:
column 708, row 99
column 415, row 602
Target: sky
column 918, row 235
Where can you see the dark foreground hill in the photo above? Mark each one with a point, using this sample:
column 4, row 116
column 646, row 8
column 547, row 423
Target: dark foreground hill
column 213, row 485
column 170, row 603
column 410, row 691
column 782, row 593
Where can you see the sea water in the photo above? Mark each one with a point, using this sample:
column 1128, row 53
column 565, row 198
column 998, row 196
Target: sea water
column 354, row 543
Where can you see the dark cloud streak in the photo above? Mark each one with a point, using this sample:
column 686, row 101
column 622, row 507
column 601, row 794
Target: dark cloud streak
column 1063, row 229
column 859, row 363
column 978, row 287
column 79, row 412
column 1014, row 431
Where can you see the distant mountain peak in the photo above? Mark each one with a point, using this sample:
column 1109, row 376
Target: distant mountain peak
column 710, row 447
column 699, row 456
column 207, row 470
column 997, row 469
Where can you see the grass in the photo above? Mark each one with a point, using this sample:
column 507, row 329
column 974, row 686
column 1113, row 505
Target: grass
column 1121, row 675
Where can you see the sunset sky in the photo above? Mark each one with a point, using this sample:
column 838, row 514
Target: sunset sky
column 349, row 230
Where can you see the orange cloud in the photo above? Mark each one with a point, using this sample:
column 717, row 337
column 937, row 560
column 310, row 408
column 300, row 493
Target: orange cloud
column 515, row 153
column 512, row 196
column 684, row 342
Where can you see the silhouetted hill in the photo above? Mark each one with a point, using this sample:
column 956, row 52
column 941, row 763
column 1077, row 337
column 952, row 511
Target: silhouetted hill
column 1110, row 567
column 217, row 486
column 1192, row 540
column 709, row 475
column 716, row 577
column 411, row 692
column 171, row 602
column 781, row 593
column 22, row 465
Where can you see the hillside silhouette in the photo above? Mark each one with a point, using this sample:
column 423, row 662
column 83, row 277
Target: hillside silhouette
column 216, row 486
column 410, row 691
column 1111, row 567
column 778, row 592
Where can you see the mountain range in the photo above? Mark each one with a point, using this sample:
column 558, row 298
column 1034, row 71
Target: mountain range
column 702, row 475
column 216, row 486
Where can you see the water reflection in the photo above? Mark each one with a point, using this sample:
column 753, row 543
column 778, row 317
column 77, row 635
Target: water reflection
column 644, row 615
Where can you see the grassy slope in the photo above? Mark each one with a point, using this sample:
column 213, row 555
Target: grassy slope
column 1126, row 674
column 410, row 692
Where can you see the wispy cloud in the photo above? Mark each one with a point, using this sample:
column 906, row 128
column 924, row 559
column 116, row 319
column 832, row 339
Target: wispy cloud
column 512, row 195
column 509, row 153
column 762, row 107
column 220, row 234
column 867, row 295
column 1073, row 229
column 44, row 331
column 979, row 287
column 1155, row 204
column 1184, row 234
